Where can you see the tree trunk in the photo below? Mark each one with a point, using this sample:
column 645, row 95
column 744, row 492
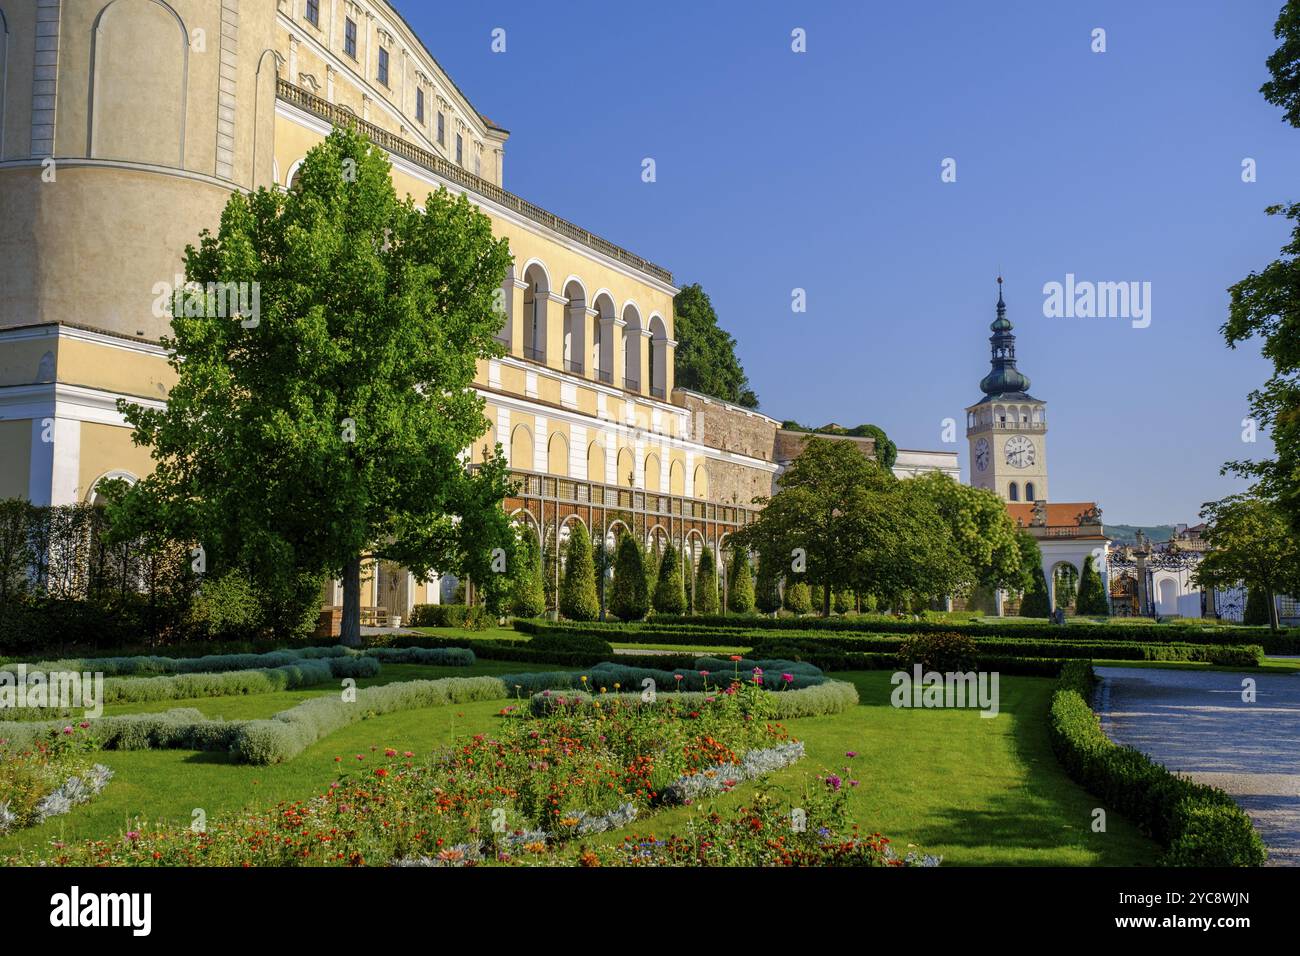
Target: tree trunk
column 826, row 599
column 1272, row 611
column 350, row 626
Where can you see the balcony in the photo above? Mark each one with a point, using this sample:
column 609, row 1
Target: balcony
column 573, row 365
column 631, row 384
column 605, row 376
column 657, row 391
column 535, row 354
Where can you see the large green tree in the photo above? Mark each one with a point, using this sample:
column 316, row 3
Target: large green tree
column 1251, row 543
column 1266, row 305
column 328, row 428
column 808, row 527
column 705, row 359
column 706, row 583
column 981, row 529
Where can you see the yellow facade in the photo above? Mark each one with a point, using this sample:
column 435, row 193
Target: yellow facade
column 125, row 125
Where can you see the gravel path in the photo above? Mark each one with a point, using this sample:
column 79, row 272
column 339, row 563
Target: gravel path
column 1195, row 722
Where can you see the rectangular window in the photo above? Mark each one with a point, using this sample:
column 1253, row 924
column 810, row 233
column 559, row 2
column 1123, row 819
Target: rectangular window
column 478, row 163
column 460, row 150
column 419, row 105
column 313, row 12
column 442, row 129
column 350, row 37
column 382, row 76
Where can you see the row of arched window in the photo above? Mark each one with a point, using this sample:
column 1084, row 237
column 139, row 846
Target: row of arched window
column 1013, row 492
column 626, row 474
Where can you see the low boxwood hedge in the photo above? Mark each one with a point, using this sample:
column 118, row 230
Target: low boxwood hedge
column 830, row 697
column 470, row 617
column 1198, row 825
column 661, row 630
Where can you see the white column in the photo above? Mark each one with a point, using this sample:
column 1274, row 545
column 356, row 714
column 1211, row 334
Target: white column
column 54, row 473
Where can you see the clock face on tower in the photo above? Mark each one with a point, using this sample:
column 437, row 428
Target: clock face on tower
column 982, row 454
column 1019, row 451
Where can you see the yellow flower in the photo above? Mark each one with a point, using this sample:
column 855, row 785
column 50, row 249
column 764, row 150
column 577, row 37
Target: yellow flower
column 584, row 678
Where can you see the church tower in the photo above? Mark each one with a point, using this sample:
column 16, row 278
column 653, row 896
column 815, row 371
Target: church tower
column 1007, row 428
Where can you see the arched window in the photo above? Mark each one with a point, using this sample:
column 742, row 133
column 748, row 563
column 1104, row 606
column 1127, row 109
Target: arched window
column 1029, row 491
column 1013, row 493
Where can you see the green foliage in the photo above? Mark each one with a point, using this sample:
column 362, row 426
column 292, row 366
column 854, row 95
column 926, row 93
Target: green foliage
column 945, row 653
column 578, row 598
column 797, row 597
column 1259, row 607
column 670, row 589
column 767, row 586
column 706, row 584
column 886, row 452
column 345, row 404
column 227, row 609
column 1200, row 825
column 740, row 583
column 1250, row 541
column 1035, row 603
column 629, row 597
column 1284, row 64
column 451, row 615
column 528, row 597
column 1092, row 592
column 705, row 360
column 981, row 528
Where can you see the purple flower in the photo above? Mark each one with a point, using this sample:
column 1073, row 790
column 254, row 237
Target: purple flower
column 834, row 782
column 851, row 754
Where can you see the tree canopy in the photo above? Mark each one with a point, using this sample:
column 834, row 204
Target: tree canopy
column 330, row 427
column 1250, row 543
column 705, row 358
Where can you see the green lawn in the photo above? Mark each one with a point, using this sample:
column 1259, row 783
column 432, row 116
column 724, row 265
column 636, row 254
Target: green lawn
column 978, row 791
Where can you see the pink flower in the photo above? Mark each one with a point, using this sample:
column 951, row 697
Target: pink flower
column 678, row 677
column 84, row 724
column 851, row 754
column 788, row 678
column 390, row 752
column 67, row 730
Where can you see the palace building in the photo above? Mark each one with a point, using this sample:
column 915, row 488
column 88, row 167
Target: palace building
column 124, row 127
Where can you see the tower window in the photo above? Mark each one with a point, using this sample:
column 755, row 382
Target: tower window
column 1013, row 493
column 382, row 75
column 350, row 37
column 1029, row 491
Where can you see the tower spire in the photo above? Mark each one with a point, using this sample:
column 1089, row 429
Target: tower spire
column 1004, row 378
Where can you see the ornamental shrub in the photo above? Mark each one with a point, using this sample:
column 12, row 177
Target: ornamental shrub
column 629, row 600
column 1035, row 603
column 740, row 583
column 706, row 584
column 945, row 653
column 528, row 594
column 670, row 590
column 578, row 598
column 1092, row 593
column 797, row 598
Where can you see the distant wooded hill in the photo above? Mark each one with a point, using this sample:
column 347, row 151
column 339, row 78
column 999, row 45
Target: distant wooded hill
column 1127, row 533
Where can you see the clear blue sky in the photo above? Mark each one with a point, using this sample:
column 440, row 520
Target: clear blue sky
column 821, row 170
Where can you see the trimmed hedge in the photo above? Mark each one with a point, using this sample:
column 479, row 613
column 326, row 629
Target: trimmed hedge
column 290, row 732
column 304, row 673
column 1198, row 825
column 1282, row 642
column 471, row 618
column 148, row 664
column 414, row 654
column 831, row 697
column 181, row 728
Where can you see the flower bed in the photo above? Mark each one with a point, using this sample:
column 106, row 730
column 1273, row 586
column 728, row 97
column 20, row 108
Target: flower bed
column 540, row 782
column 48, row 778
